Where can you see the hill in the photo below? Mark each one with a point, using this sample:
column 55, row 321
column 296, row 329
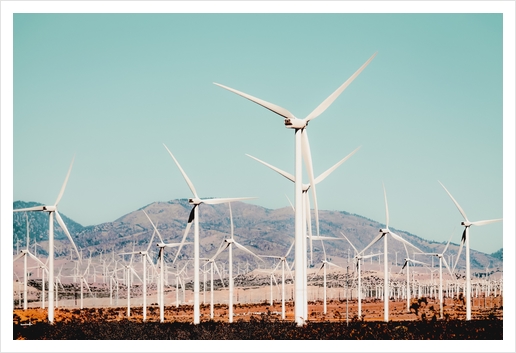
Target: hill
column 262, row 230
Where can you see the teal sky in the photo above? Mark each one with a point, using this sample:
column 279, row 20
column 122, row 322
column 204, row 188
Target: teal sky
column 112, row 88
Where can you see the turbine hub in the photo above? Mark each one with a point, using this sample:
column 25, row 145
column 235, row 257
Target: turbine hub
column 49, row 208
column 465, row 224
column 295, row 123
column 194, row 201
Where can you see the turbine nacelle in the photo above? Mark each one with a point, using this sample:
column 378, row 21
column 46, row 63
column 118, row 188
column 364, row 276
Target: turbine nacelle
column 295, row 123
column 49, row 208
column 383, row 231
column 194, row 201
column 466, row 223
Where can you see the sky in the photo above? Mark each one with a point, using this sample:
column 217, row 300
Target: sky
column 111, row 89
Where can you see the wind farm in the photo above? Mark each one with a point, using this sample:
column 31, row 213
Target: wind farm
column 365, row 246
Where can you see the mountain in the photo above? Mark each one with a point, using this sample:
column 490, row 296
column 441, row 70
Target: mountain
column 498, row 254
column 262, row 230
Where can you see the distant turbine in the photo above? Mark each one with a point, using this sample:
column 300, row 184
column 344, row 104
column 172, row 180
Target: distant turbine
column 407, row 264
column 302, row 151
column 161, row 258
column 283, row 262
column 465, row 239
column 441, row 259
column 52, row 209
column 228, row 245
column 358, row 259
column 194, row 216
column 383, row 234
column 145, row 259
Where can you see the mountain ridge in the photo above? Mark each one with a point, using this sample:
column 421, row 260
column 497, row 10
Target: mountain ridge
column 262, row 230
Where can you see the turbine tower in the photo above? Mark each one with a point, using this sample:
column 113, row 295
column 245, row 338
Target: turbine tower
column 465, row 239
column 52, row 210
column 194, row 216
column 302, row 151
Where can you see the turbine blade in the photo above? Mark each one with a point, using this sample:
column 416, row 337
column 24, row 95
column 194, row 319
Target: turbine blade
column 289, row 249
column 293, row 208
column 398, row 238
column 481, row 223
column 330, row 170
column 191, row 216
column 322, row 237
column 36, row 259
column 28, row 209
column 447, row 244
column 63, row 226
column 460, row 249
column 307, row 156
column 356, row 251
column 150, row 242
column 155, row 229
column 190, row 185
column 328, row 101
column 277, row 170
column 456, row 203
column 386, row 207
column 241, row 247
column 224, row 200
column 231, row 219
column 133, row 271
column 184, row 238
column 18, row 256
column 405, row 264
column 64, row 184
column 308, row 217
column 220, row 276
column 378, row 237
column 446, row 264
column 272, row 107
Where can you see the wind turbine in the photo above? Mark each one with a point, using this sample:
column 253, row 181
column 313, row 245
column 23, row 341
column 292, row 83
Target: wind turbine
column 229, row 245
column 24, row 253
column 465, row 239
column 383, row 234
column 302, row 150
column 441, row 260
column 212, row 263
column 407, row 264
column 52, row 210
column 306, row 187
column 324, row 264
column 129, row 269
column 283, row 262
column 358, row 259
column 145, row 258
column 161, row 258
column 194, row 216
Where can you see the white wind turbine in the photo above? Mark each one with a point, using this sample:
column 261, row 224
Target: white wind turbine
column 212, row 263
column 383, row 234
column 465, row 239
column 52, row 210
column 283, row 262
column 324, row 264
column 194, row 216
column 228, row 244
column 145, row 259
column 358, row 259
column 161, row 260
column 306, row 187
column 24, row 253
column 128, row 271
column 302, row 151
column 306, row 217
column 441, row 260
column 407, row 262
